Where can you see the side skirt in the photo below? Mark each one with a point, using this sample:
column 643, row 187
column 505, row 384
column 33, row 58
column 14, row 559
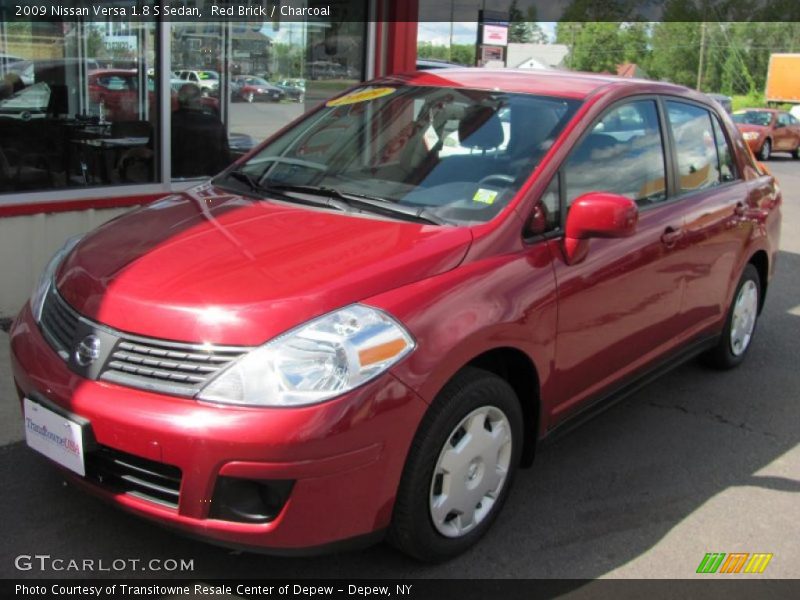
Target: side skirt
column 630, row 386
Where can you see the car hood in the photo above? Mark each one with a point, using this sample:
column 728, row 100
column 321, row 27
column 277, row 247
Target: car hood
column 212, row 266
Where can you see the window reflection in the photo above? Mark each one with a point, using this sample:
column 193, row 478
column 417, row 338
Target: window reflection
column 75, row 100
column 623, row 154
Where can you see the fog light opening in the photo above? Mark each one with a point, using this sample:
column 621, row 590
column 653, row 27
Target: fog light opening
column 249, row 501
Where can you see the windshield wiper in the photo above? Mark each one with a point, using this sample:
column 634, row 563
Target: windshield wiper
column 280, row 190
column 245, row 178
column 364, row 201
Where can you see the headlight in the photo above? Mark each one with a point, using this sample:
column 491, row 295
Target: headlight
column 46, row 278
column 750, row 135
column 320, row 360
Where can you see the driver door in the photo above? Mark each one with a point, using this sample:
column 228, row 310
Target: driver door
column 619, row 308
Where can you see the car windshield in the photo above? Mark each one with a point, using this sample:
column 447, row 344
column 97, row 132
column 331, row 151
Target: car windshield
column 752, row 117
column 34, row 97
column 256, row 81
column 457, row 154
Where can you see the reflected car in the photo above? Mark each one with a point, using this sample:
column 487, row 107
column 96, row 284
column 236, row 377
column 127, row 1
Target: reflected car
column 29, row 103
column 292, row 89
column 207, row 81
column 725, row 102
column 117, row 90
column 766, row 131
column 351, row 334
column 250, row 89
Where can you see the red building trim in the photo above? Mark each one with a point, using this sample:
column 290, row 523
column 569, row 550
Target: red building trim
column 18, row 210
column 402, row 37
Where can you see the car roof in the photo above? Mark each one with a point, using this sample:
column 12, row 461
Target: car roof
column 568, row 84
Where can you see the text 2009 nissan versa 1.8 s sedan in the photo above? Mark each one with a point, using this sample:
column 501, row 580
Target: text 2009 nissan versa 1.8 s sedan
column 363, row 327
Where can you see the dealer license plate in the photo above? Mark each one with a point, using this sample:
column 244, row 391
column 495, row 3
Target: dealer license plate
column 57, row 437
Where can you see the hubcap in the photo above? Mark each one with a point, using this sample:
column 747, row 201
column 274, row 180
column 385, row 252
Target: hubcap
column 743, row 321
column 471, row 471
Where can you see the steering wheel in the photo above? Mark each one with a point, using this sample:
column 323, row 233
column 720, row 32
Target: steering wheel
column 495, row 177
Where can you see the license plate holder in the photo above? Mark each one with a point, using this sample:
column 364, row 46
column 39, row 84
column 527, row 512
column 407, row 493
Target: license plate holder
column 59, row 438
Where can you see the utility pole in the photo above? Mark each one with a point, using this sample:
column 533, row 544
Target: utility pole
column 702, row 55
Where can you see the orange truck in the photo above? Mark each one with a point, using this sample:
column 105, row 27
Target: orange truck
column 783, row 78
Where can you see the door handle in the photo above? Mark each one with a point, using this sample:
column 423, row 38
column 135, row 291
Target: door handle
column 671, row 236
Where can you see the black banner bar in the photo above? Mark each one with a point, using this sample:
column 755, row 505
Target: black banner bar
column 723, row 587
column 425, row 10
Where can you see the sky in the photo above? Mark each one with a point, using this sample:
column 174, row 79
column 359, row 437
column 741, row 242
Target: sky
column 437, row 33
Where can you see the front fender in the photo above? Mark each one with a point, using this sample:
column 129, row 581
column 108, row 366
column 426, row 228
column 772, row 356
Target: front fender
column 506, row 301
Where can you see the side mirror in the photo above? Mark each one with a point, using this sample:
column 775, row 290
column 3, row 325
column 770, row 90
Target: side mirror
column 597, row 215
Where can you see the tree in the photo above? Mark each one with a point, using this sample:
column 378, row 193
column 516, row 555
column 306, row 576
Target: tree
column 597, row 47
column 519, row 30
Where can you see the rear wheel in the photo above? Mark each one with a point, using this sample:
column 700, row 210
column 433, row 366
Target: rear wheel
column 766, row 150
column 796, row 153
column 460, row 467
column 740, row 325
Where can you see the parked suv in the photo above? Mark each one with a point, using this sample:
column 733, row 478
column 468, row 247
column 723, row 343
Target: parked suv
column 352, row 333
column 207, row 81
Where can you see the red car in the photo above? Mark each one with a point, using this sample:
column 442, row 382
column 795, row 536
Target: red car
column 766, row 131
column 363, row 327
column 118, row 91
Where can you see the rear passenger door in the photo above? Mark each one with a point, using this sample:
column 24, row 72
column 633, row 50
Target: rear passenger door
column 713, row 198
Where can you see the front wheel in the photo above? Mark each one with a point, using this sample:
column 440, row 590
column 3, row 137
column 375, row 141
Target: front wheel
column 460, row 467
column 766, row 150
column 740, row 325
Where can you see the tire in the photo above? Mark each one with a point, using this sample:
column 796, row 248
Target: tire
column 796, row 153
column 250, row 97
column 740, row 324
column 486, row 403
column 766, row 150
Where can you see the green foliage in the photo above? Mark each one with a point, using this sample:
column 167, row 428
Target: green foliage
column 755, row 100
column 463, row 54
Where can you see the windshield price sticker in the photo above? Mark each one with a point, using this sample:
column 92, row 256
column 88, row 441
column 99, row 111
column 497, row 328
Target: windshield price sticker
column 362, row 95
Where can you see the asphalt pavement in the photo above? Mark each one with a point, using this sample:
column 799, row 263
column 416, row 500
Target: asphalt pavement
column 698, row 461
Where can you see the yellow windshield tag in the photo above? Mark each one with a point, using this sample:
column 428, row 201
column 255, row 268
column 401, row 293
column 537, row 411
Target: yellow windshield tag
column 362, row 95
column 485, row 196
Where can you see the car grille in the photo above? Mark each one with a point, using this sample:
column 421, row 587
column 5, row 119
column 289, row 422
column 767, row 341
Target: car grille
column 170, row 367
column 147, row 479
column 175, row 368
column 59, row 323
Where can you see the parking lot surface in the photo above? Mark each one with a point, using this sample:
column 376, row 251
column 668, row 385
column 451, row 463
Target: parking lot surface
column 698, row 461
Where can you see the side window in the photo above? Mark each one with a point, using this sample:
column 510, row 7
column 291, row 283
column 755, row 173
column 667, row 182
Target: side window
column 698, row 165
column 622, row 154
column 727, row 170
column 783, row 119
column 793, row 121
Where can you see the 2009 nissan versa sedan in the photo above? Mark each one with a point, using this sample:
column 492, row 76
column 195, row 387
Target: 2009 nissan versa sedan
column 363, row 327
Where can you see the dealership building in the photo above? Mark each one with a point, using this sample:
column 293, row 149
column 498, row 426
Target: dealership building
column 91, row 120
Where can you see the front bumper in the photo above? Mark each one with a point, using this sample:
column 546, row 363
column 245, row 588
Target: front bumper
column 345, row 456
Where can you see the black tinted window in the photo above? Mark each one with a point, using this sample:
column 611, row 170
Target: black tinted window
column 623, row 154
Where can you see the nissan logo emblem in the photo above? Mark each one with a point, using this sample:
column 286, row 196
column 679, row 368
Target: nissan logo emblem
column 88, row 350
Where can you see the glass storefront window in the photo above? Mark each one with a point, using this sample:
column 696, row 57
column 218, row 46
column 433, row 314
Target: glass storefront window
column 251, row 79
column 80, row 102
column 78, row 105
